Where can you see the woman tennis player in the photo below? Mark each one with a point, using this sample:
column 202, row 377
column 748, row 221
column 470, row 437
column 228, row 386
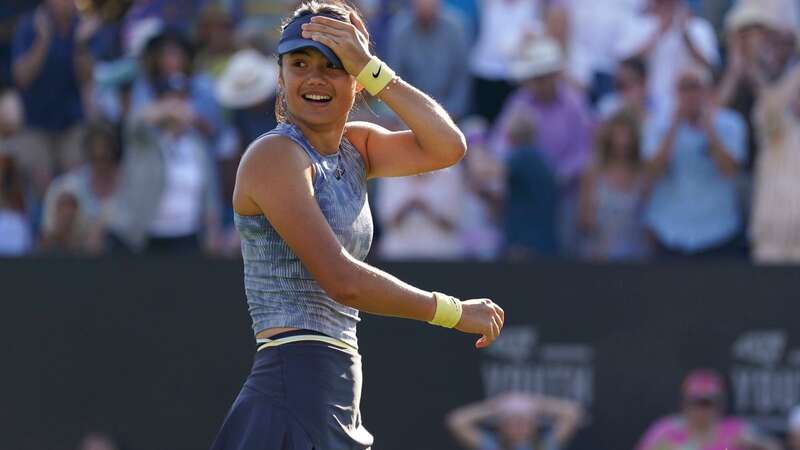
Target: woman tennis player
column 301, row 208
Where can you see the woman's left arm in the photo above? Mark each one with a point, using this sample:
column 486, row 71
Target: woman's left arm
column 433, row 140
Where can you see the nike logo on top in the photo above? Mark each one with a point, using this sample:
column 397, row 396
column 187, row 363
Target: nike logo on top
column 376, row 74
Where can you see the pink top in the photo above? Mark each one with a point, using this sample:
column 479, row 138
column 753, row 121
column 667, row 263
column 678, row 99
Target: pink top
column 671, row 433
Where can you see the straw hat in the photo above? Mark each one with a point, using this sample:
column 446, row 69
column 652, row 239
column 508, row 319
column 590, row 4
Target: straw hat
column 249, row 79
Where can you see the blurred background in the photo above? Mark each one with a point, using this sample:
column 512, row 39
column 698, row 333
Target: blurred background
column 631, row 193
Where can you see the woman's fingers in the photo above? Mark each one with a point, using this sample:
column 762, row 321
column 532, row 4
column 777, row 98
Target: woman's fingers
column 312, row 27
column 358, row 23
column 333, row 23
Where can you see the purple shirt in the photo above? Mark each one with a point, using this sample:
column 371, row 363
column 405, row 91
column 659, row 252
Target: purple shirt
column 563, row 129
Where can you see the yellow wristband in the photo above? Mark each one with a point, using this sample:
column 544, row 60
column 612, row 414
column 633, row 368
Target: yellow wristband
column 448, row 311
column 375, row 76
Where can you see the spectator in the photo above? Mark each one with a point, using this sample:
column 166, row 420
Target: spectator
column 562, row 118
column 630, row 92
column 532, row 197
column 167, row 199
column 695, row 157
column 775, row 221
column 516, row 418
column 420, row 216
column 429, row 47
column 750, row 27
column 9, row 15
column 701, row 422
column 669, row 37
column 66, row 231
column 215, row 40
column 504, row 25
column 94, row 185
column 98, row 441
column 613, row 194
column 51, row 60
column 793, row 436
column 247, row 88
column 15, row 230
column 484, row 177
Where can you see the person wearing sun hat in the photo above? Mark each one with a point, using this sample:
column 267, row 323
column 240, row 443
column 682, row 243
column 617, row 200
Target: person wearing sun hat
column 701, row 423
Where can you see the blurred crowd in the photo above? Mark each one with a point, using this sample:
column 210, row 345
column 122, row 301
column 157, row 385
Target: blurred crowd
column 621, row 130
column 523, row 421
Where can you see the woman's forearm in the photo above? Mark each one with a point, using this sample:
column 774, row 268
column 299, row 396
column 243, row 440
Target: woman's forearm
column 30, row 64
column 433, row 128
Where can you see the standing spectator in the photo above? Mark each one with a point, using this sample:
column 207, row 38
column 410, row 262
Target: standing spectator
column 532, row 197
column 214, row 36
column 669, row 37
column 504, row 25
column 51, row 60
column 167, row 201
column 93, row 185
column 695, row 157
column 749, row 29
column 630, row 92
column 10, row 10
column 428, row 47
column 775, row 224
column 701, row 424
column 613, row 195
column 561, row 117
column 15, row 230
column 420, row 216
column 517, row 417
column 484, row 177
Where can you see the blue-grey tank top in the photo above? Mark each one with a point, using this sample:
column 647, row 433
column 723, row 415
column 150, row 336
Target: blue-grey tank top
column 280, row 290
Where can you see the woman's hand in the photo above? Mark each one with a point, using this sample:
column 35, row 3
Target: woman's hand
column 481, row 316
column 347, row 40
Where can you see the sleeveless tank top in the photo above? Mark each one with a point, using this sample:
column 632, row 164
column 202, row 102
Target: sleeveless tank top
column 280, row 290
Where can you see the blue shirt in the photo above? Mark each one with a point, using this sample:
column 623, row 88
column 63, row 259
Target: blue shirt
column 693, row 205
column 56, row 80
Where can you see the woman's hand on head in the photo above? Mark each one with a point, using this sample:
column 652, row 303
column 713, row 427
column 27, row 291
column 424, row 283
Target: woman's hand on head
column 348, row 40
column 481, row 316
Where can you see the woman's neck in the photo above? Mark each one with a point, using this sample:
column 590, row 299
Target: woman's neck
column 324, row 138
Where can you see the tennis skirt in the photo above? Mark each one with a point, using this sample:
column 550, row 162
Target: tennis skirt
column 299, row 396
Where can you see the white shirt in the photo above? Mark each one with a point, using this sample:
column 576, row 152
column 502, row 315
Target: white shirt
column 15, row 235
column 181, row 204
column 670, row 55
column 419, row 236
column 504, row 24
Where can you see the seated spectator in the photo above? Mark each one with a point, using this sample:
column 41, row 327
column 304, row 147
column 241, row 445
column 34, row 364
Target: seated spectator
column 695, row 157
column 503, row 27
column 167, row 200
column 51, row 60
column 613, row 195
column 15, row 230
column 428, row 47
column 65, row 230
column 670, row 38
column 701, row 422
column 420, row 216
column 513, row 421
column 630, row 92
column 532, row 197
column 775, row 221
column 484, row 177
column 560, row 114
column 247, row 89
column 94, row 185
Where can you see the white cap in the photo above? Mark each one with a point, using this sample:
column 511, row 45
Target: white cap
column 249, row 79
column 541, row 56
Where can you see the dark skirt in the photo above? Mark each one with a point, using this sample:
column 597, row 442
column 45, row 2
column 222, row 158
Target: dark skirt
column 299, row 396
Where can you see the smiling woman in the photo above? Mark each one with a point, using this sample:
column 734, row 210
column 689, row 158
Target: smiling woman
column 301, row 209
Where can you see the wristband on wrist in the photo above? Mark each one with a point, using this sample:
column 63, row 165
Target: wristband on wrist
column 375, row 76
column 448, row 311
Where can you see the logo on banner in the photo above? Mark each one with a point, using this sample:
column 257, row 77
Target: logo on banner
column 765, row 377
column 520, row 361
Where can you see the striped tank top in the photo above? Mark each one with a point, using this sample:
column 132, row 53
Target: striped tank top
column 280, row 290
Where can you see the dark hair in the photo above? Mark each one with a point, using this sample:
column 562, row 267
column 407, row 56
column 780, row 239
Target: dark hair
column 154, row 47
column 637, row 65
column 605, row 136
column 101, row 129
column 338, row 9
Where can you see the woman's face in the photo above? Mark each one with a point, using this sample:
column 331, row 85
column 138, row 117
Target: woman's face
column 518, row 429
column 316, row 92
column 172, row 59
